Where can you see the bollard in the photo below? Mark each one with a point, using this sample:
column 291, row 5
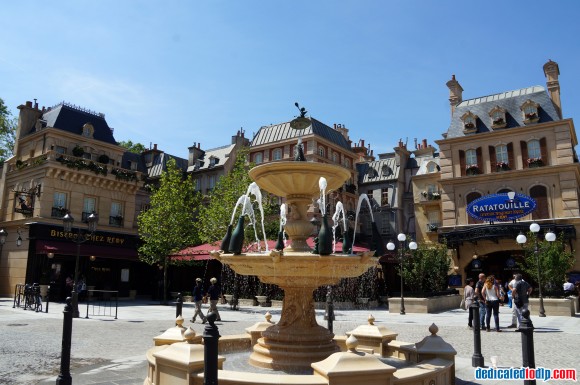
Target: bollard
column 329, row 314
column 477, row 358
column 179, row 305
column 47, row 299
column 211, row 337
column 528, row 357
column 64, row 377
column 234, row 305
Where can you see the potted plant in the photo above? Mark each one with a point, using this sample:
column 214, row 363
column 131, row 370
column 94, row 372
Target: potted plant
column 531, row 116
column 469, row 125
column 498, row 122
column 502, row 166
column 104, row 159
column 78, row 151
column 471, row 169
column 535, row 162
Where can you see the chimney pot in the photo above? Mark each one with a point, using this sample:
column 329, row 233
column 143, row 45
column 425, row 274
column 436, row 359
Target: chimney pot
column 155, row 146
column 424, row 143
column 28, row 103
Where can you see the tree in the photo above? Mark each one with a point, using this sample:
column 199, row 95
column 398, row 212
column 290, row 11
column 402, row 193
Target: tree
column 214, row 217
column 167, row 226
column 136, row 148
column 554, row 260
column 428, row 268
column 8, row 126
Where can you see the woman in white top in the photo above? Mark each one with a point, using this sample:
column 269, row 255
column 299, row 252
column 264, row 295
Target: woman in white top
column 491, row 296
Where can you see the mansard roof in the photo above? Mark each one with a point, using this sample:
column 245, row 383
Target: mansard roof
column 511, row 101
column 70, row 118
column 283, row 131
column 221, row 153
column 378, row 171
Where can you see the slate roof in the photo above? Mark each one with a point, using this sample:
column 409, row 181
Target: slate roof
column 377, row 171
column 511, row 102
column 72, row 119
column 282, row 131
column 160, row 164
column 221, row 153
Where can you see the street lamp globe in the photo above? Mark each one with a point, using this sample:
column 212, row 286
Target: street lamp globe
column 534, row 227
column 550, row 236
column 67, row 222
column 390, row 246
column 92, row 222
column 3, row 236
column 413, row 245
column 401, row 237
column 521, row 239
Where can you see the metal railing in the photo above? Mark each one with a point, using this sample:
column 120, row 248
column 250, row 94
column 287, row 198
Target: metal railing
column 100, row 303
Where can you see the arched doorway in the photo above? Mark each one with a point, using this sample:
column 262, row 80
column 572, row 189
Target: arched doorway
column 502, row 264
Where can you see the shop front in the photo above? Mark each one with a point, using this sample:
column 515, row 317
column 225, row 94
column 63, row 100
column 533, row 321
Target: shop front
column 106, row 261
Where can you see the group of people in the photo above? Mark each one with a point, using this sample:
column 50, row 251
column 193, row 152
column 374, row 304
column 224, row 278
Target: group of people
column 214, row 293
column 489, row 294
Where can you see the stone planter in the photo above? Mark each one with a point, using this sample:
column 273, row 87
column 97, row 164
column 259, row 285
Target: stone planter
column 554, row 306
column 262, row 299
column 229, row 298
column 187, row 298
column 427, row 305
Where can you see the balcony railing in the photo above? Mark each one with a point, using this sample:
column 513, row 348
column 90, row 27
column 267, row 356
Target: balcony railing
column 58, row 212
column 116, row 221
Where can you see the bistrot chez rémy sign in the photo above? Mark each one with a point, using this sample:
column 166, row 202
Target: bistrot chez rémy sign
column 501, row 207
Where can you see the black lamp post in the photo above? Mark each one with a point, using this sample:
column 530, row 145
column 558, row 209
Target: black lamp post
column 79, row 239
column 550, row 237
column 411, row 246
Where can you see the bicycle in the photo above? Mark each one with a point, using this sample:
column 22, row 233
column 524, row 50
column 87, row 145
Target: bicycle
column 32, row 299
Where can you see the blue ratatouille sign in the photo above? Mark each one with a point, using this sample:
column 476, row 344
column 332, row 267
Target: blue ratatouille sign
column 501, row 207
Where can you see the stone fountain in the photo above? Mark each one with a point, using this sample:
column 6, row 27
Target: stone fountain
column 297, row 341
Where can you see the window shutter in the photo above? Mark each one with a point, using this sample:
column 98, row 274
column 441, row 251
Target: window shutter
column 539, row 193
column 492, row 158
column 524, row 147
column 510, row 150
column 479, row 159
column 544, row 151
column 462, row 162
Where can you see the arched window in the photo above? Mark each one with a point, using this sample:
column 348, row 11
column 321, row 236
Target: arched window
column 431, row 167
column 277, row 154
column 540, row 195
column 258, row 158
column 468, row 199
column 321, row 151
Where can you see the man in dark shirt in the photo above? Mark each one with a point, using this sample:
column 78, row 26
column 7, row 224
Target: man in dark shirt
column 478, row 290
column 198, row 294
column 521, row 294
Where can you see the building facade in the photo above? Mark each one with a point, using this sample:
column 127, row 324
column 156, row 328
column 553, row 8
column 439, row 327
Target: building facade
column 515, row 141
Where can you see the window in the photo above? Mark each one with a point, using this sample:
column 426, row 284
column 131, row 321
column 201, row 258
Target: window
column 87, row 155
column 58, row 204
column 321, row 151
column 116, row 216
column 385, row 224
column 197, row 184
column 530, row 111
column 431, row 167
column 258, row 158
column 433, row 219
column 60, row 150
column 384, row 197
column 498, row 119
column 89, row 206
column 501, row 154
column 133, row 165
column 88, row 130
column 334, row 157
column 347, row 163
column 469, row 122
column 277, row 154
column 211, row 182
column 386, row 170
column 470, row 157
column 534, row 151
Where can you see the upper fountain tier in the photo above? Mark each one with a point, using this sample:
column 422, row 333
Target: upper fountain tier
column 298, row 178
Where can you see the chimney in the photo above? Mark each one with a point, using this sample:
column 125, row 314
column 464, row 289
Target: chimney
column 552, row 71
column 155, row 146
column 455, row 93
column 424, row 143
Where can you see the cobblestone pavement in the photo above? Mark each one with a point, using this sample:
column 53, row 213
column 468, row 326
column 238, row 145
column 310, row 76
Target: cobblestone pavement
column 112, row 351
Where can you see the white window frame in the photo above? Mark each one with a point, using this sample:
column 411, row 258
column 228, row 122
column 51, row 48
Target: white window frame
column 534, row 149
column 59, row 200
column 501, row 154
column 258, row 158
column 277, row 154
column 321, row 151
column 116, row 209
column 471, row 157
column 89, row 204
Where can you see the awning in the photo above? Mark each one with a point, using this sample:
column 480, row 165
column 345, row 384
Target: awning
column 201, row 252
column 70, row 248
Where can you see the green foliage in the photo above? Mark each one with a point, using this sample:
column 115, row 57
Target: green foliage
column 8, row 125
column 167, row 226
column 427, row 269
column 216, row 215
column 136, row 148
column 554, row 262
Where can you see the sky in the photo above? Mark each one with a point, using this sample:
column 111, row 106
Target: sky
column 179, row 72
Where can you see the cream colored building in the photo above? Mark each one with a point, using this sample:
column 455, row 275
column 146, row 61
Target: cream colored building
column 67, row 160
column 514, row 141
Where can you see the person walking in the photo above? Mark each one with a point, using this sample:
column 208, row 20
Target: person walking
column 468, row 293
column 479, row 297
column 521, row 293
column 214, row 296
column 198, row 294
column 491, row 296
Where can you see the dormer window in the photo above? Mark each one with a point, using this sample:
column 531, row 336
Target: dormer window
column 386, row 170
column 530, row 111
column 432, row 167
column 88, row 130
column 213, row 161
column 469, row 123
column 498, row 119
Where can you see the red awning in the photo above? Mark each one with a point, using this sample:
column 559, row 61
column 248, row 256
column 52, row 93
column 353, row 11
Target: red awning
column 201, row 252
column 70, row 248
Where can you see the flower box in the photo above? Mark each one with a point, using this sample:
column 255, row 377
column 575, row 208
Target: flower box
column 472, row 169
column 535, row 162
column 502, row 166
